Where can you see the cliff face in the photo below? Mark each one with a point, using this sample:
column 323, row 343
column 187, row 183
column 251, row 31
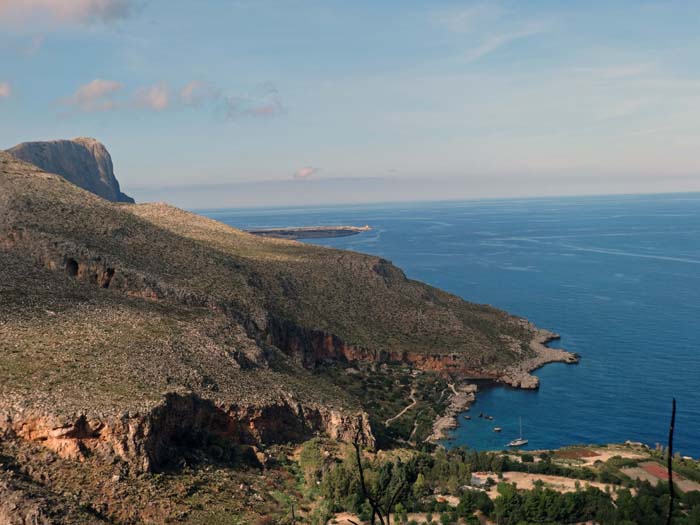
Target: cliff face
column 179, row 426
column 83, row 161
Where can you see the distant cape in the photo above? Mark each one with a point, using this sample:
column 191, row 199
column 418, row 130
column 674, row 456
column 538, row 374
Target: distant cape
column 83, row 161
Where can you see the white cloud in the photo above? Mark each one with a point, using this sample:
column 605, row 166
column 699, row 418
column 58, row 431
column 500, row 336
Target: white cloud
column 155, row 97
column 305, row 172
column 97, row 95
column 104, row 95
column 64, row 11
column 5, row 89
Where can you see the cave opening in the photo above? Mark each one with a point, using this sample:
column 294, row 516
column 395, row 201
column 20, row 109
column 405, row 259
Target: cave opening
column 107, row 277
column 71, row 267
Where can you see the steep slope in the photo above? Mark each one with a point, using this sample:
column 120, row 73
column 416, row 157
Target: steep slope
column 83, row 161
column 144, row 335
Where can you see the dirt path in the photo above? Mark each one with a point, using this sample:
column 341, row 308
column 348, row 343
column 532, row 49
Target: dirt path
column 413, row 399
column 415, row 425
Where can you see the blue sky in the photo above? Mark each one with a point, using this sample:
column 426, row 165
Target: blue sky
column 216, row 103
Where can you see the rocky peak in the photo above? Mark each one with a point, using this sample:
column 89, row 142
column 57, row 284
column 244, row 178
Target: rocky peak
column 83, row 161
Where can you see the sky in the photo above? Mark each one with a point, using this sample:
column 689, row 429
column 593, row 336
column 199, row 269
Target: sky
column 214, row 103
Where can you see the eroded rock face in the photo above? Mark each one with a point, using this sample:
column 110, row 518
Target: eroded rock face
column 83, row 161
column 181, row 425
column 308, row 347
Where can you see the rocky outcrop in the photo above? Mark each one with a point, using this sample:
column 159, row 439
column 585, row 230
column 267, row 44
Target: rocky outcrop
column 83, row 161
column 182, row 426
column 519, row 376
column 308, row 347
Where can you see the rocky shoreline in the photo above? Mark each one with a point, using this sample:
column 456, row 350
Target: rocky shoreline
column 517, row 376
column 460, row 400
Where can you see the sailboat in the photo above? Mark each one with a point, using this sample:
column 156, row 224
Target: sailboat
column 520, row 441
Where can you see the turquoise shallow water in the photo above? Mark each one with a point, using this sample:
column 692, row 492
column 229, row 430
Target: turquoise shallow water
column 618, row 277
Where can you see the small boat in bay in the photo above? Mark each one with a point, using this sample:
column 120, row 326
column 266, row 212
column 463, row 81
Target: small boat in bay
column 497, row 429
column 520, row 441
column 467, row 417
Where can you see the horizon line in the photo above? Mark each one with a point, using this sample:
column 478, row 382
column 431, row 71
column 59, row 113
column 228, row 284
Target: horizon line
column 437, row 201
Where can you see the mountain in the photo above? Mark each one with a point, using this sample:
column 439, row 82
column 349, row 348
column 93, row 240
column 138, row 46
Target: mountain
column 83, row 161
column 144, row 338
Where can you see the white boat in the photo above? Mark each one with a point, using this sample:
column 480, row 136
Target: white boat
column 520, row 441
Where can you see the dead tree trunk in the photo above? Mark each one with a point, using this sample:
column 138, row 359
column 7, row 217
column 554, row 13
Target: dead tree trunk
column 671, row 490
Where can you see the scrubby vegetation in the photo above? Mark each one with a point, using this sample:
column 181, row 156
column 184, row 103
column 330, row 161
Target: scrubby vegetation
column 385, row 391
column 160, row 367
column 130, row 332
column 427, row 479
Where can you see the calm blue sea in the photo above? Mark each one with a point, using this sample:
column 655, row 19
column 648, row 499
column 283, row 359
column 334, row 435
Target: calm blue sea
column 618, row 277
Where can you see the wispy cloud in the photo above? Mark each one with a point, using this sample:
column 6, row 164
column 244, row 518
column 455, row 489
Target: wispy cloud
column 97, row 95
column 495, row 42
column 5, row 90
column 264, row 102
column 624, row 108
column 197, row 92
column 155, row 97
column 488, row 27
column 65, row 11
column 105, row 95
column 616, row 71
column 468, row 19
column 305, row 172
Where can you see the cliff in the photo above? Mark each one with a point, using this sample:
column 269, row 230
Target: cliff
column 83, row 161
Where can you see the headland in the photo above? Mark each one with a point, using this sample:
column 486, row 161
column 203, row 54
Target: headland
column 310, row 232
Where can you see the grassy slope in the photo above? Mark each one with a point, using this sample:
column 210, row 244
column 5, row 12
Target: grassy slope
column 146, row 348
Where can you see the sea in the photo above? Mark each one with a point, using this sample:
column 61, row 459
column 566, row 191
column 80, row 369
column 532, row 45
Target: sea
column 618, row 277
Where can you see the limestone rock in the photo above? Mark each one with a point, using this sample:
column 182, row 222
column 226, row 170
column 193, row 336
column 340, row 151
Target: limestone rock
column 83, row 161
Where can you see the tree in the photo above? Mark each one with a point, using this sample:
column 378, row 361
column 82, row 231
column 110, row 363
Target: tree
column 452, row 485
column 311, row 460
column 419, row 486
column 400, row 513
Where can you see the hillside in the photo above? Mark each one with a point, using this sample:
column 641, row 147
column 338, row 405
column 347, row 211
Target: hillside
column 150, row 337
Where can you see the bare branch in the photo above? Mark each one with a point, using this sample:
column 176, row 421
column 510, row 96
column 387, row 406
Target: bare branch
column 671, row 490
column 376, row 510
